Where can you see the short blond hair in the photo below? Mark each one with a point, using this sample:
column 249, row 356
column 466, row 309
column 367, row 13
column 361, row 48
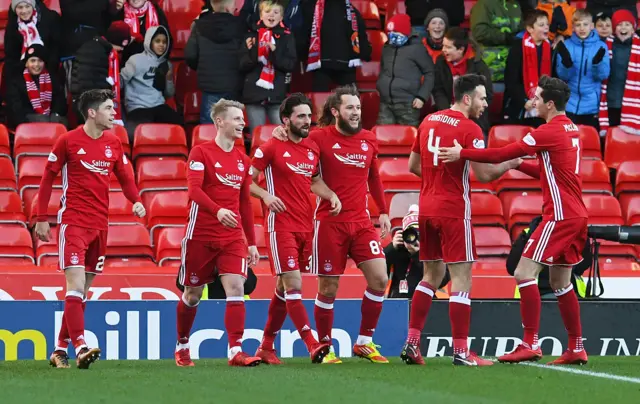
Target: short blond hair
column 581, row 14
column 266, row 5
column 221, row 107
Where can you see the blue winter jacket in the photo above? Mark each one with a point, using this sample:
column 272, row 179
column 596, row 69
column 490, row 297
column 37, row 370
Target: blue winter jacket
column 584, row 78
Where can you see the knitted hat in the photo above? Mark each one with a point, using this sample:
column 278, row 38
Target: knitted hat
column 622, row 16
column 437, row 13
column 14, row 3
column 400, row 23
column 411, row 219
column 119, row 33
column 36, row 50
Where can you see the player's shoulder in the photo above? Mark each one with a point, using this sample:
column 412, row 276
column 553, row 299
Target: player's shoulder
column 367, row 135
column 310, row 144
column 317, row 134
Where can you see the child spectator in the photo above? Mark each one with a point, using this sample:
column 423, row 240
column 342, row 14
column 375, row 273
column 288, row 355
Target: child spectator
column 460, row 56
column 494, row 23
column 291, row 17
column 140, row 15
column 148, row 80
column 581, row 62
column 603, row 25
column 270, row 53
column 621, row 83
column 436, row 25
column 528, row 60
column 31, row 23
column 213, row 50
column 404, row 63
column 560, row 15
column 34, row 95
column 419, row 9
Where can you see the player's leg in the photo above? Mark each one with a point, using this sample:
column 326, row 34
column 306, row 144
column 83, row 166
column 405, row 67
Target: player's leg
column 323, row 313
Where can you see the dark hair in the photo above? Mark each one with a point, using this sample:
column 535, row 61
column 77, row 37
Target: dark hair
column 92, row 99
column 467, row 84
column 601, row 16
column 460, row 38
column 530, row 17
column 555, row 90
column 292, row 101
column 334, row 101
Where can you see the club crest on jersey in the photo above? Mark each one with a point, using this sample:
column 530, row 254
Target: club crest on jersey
column 52, row 157
column 478, row 143
column 327, row 266
column 108, row 152
column 364, row 146
column 291, row 263
column 74, row 259
column 529, row 140
column 310, row 155
column 240, row 166
column 194, row 279
column 259, row 153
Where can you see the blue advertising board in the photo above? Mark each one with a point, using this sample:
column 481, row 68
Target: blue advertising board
column 147, row 329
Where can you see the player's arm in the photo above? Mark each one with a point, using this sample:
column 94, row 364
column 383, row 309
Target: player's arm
column 415, row 164
column 490, row 172
column 246, row 215
column 530, row 168
column 377, row 193
column 57, row 159
column 320, row 188
column 195, row 179
column 493, row 155
column 261, row 160
column 124, row 173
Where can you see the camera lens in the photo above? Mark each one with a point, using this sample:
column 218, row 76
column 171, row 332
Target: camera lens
column 410, row 235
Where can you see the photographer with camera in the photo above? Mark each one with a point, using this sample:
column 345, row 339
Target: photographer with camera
column 403, row 263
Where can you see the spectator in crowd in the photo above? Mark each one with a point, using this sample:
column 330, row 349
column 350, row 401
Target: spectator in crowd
column 96, row 65
column 529, row 59
column 334, row 42
column 406, row 75
column 610, row 6
column 494, row 24
column 291, row 17
column 436, row 24
column 419, row 9
column 621, row 83
column 34, row 95
column 603, row 25
column 213, row 50
column 148, row 79
column 270, row 53
column 31, row 22
column 83, row 20
column 583, row 64
column 460, row 56
column 560, row 15
column 140, row 15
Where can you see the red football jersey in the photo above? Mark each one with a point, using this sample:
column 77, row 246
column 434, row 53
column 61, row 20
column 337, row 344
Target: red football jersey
column 345, row 163
column 222, row 176
column 559, row 151
column 86, row 165
column 288, row 168
column 445, row 187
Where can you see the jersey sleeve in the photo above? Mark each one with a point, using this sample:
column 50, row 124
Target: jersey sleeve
column 263, row 155
column 415, row 148
column 533, row 142
column 195, row 179
column 124, row 173
column 246, row 209
column 58, row 156
column 474, row 138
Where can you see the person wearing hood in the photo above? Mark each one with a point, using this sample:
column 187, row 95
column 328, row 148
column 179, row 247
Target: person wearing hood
column 213, row 50
column 436, row 25
column 583, row 64
column 147, row 78
column 269, row 55
column 35, row 95
column 140, row 15
column 459, row 57
column 403, row 65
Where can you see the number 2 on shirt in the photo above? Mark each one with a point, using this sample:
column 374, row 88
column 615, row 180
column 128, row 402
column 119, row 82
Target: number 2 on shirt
column 576, row 143
column 433, row 146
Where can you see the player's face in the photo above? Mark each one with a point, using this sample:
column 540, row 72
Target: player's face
column 451, row 54
column 539, row 104
column 231, row 123
column 540, row 30
column 299, row 123
column 35, row 66
column 104, row 115
column 624, row 30
column 348, row 117
column 478, row 102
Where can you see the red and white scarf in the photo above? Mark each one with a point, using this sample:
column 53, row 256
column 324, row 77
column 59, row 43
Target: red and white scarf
column 40, row 96
column 268, row 74
column 132, row 16
column 29, row 32
column 530, row 65
column 314, row 58
column 630, row 114
column 114, row 80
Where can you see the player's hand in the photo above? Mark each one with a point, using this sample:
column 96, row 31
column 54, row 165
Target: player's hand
column 43, row 231
column 254, row 256
column 450, row 154
column 139, row 210
column 227, row 218
column 417, row 103
column 280, row 133
column 397, row 240
column 274, row 204
column 385, row 225
column 515, row 163
column 336, row 205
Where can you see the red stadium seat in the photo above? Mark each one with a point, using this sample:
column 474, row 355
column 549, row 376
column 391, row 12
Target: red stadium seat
column 620, row 147
column 52, row 207
column 495, row 108
column 614, row 249
column 122, row 134
column 168, row 251
column 367, row 75
column 486, row 209
column 399, row 206
column 595, row 176
column 396, row 176
column 590, row 142
column 394, row 139
column 129, row 241
column 15, row 242
column 516, row 180
column 30, row 172
column 613, row 264
column 261, row 243
column 317, row 101
column 502, row 135
column 370, row 14
column 47, row 251
column 11, row 209
column 258, row 214
column 167, row 209
column 521, row 211
column 186, row 81
column 160, row 175
column 377, row 40
column 603, row 209
column 203, row 133
column 36, row 139
column 5, row 150
column 121, row 210
column 492, row 241
column 261, row 135
column 628, row 177
column 7, row 175
column 157, row 139
column 191, row 107
column 632, row 211
column 370, row 108
column 181, row 14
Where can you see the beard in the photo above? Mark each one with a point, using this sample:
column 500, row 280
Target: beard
column 345, row 127
column 475, row 113
column 300, row 132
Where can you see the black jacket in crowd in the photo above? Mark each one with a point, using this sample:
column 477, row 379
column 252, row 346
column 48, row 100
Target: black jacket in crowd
column 138, row 46
column 216, row 290
column 19, row 105
column 406, row 266
column 91, row 67
column 283, row 59
column 82, row 20
column 213, row 49
column 335, row 36
column 609, row 6
column 49, row 28
column 443, row 88
column 417, row 10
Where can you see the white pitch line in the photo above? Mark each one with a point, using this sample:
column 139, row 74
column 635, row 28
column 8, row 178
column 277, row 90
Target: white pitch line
column 585, row 372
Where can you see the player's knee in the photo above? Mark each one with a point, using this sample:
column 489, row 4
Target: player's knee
column 192, row 296
column 522, row 273
column 379, row 282
column 327, row 286
column 289, row 282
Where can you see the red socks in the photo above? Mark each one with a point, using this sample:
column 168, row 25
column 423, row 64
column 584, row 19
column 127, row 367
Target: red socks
column 570, row 312
column 275, row 319
column 185, row 315
column 530, row 307
column 420, row 305
column 63, row 336
column 74, row 318
column 370, row 309
column 460, row 317
column 323, row 313
column 234, row 320
column 298, row 315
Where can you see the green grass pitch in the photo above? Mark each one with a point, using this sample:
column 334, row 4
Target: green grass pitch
column 354, row 381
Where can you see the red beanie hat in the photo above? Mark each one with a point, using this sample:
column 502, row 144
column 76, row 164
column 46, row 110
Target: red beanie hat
column 622, row 16
column 119, row 33
column 400, row 23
